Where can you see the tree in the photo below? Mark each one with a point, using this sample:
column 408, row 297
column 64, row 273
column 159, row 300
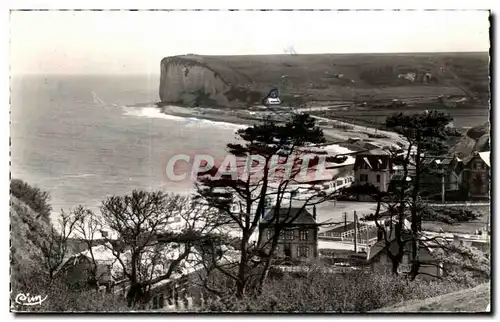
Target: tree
column 426, row 132
column 55, row 246
column 137, row 222
column 87, row 226
column 462, row 261
column 388, row 218
column 244, row 193
column 35, row 198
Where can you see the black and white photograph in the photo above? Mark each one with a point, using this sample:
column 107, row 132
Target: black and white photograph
column 250, row 161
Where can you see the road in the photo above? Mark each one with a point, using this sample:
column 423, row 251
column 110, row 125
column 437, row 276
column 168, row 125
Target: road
column 463, row 204
column 330, row 212
column 391, row 136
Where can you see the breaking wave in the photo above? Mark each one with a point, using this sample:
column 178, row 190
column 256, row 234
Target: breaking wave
column 154, row 112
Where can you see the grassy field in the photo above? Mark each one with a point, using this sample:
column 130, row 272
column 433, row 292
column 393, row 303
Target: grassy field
column 471, row 300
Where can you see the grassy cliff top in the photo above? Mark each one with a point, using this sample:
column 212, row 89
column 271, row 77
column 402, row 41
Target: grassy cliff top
column 354, row 76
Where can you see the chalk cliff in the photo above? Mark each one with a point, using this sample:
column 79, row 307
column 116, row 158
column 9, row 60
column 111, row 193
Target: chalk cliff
column 189, row 82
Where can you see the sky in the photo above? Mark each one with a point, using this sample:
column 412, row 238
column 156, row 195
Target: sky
column 134, row 42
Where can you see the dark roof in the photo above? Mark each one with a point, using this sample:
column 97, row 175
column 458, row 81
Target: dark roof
column 374, row 162
column 451, row 164
column 480, row 155
column 301, row 215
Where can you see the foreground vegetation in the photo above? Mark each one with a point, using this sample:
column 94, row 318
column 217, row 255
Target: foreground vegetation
column 359, row 291
column 471, row 300
column 355, row 292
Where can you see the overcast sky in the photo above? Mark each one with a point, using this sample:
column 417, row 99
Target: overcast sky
column 135, row 42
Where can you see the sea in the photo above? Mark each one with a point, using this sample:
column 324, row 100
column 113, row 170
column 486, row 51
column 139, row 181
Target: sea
column 84, row 138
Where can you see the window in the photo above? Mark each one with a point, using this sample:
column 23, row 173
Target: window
column 286, row 234
column 363, row 177
column 378, row 178
column 304, row 234
column 303, row 251
column 158, row 301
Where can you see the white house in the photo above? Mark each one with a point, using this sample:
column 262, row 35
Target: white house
column 373, row 167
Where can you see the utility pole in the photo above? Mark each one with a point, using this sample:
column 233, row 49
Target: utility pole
column 366, row 241
column 345, row 222
column 355, row 232
column 443, row 190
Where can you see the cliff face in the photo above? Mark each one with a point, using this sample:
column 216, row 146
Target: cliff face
column 191, row 83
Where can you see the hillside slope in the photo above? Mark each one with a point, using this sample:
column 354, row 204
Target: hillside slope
column 471, row 300
column 26, row 233
column 243, row 80
column 475, row 139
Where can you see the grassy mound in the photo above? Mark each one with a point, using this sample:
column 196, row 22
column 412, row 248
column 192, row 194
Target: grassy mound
column 471, row 300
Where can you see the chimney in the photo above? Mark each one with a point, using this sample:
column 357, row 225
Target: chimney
column 314, row 212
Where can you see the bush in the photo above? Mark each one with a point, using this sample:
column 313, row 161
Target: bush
column 361, row 291
column 35, row 198
column 449, row 215
column 61, row 297
column 377, row 136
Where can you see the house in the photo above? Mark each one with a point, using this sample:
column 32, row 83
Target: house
column 378, row 253
column 453, row 168
column 476, row 175
column 373, row 167
column 380, row 261
column 437, row 167
column 298, row 240
column 77, row 269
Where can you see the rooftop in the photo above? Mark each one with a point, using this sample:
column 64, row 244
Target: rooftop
column 301, row 215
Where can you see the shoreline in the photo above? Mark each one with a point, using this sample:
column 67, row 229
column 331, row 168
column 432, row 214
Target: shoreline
column 332, row 135
column 189, row 112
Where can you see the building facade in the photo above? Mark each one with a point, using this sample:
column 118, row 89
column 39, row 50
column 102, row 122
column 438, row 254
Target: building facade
column 373, row 167
column 298, row 239
column 476, row 176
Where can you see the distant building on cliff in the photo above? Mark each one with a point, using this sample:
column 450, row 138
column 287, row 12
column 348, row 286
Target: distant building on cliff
column 272, row 99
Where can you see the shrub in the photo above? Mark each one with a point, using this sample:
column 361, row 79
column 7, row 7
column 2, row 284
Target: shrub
column 35, row 198
column 360, row 291
column 449, row 215
column 61, row 297
column 377, row 136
